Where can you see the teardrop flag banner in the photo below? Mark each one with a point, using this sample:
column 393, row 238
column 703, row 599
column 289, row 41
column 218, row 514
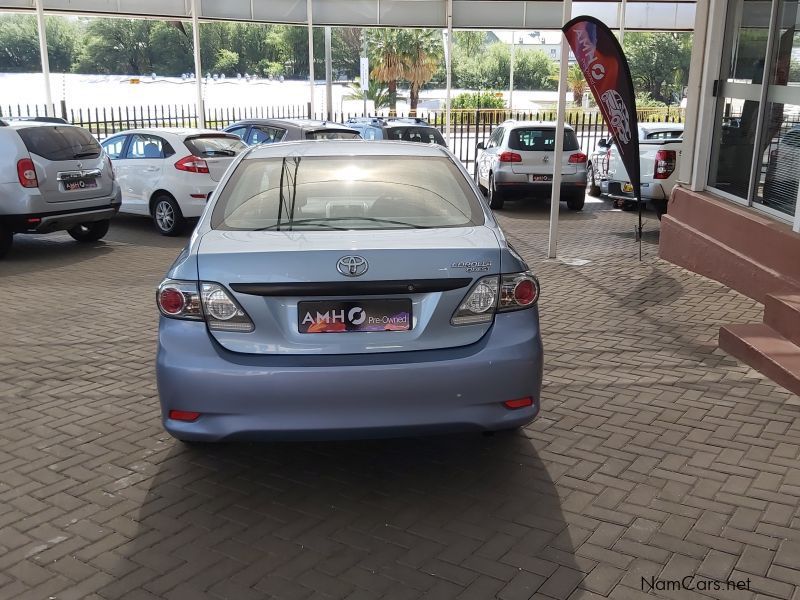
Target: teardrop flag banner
column 606, row 70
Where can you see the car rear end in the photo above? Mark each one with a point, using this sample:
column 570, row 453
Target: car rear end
column 525, row 163
column 658, row 161
column 325, row 296
column 200, row 167
column 53, row 177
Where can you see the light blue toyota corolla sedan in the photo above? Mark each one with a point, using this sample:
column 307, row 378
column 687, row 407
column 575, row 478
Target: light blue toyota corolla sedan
column 347, row 289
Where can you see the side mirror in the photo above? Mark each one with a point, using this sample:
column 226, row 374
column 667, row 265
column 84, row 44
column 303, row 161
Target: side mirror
column 480, row 146
column 603, row 143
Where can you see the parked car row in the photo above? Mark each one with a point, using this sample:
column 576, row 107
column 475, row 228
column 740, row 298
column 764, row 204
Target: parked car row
column 56, row 176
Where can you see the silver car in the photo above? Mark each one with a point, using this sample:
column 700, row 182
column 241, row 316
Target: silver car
column 347, row 289
column 54, row 177
column 270, row 131
column 518, row 162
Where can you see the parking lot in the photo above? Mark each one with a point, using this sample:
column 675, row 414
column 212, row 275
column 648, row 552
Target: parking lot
column 655, row 454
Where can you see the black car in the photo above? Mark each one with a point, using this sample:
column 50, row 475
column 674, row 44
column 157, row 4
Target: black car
column 270, row 131
column 404, row 129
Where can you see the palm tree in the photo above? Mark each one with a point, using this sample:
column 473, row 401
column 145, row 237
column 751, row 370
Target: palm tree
column 375, row 92
column 388, row 60
column 422, row 49
column 576, row 83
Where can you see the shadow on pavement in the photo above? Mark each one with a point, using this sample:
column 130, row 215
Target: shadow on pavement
column 419, row 516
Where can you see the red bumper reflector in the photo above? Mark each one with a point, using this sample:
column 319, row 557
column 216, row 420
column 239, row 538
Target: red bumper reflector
column 183, row 415
column 199, row 195
column 34, row 220
column 519, row 403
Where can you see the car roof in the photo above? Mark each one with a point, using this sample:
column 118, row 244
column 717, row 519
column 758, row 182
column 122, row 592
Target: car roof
column 304, row 123
column 345, row 148
column 17, row 124
column 181, row 132
column 513, row 123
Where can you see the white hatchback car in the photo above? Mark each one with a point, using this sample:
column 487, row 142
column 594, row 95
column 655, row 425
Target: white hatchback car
column 168, row 174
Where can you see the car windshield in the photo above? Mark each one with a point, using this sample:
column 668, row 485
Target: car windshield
column 347, row 192
column 540, row 139
column 332, row 134
column 59, row 143
column 210, row 146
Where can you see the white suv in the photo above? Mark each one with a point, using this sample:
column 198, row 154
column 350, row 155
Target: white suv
column 168, row 174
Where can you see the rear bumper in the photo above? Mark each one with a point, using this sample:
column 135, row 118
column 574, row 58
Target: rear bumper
column 518, row 184
column 99, row 209
column 348, row 396
column 650, row 191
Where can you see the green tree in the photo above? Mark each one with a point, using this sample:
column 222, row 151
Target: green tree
column 117, row 46
column 659, row 62
column 471, row 42
column 376, row 92
column 19, row 43
column 227, row 62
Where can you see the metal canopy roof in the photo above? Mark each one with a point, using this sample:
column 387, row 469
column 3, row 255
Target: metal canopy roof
column 660, row 15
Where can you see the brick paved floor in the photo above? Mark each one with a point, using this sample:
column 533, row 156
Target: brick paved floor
column 655, row 456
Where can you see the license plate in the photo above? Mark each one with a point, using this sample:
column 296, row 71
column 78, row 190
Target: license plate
column 80, row 184
column 344, row 316
column 627, row 187
column 534, row 178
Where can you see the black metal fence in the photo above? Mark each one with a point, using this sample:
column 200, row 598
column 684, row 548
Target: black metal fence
column 468, row 127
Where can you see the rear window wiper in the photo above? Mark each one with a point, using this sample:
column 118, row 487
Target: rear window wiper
column 287, row 226
column 219, row 153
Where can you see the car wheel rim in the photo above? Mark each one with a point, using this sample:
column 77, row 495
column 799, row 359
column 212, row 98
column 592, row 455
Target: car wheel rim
column 165, row 216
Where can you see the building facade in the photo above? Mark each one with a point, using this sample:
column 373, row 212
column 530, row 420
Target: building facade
column 735, row 216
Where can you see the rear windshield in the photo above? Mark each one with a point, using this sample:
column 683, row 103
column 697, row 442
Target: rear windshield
column 210, row 146
column 426, row 135
column 346, row 192
column 538, row 140
column 332, row 134
column 59, row 142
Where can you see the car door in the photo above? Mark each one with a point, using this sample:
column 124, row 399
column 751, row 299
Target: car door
column 115, row 149
column 144, row 165
column 487, row 157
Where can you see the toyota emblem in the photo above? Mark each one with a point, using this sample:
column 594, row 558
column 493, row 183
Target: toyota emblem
column 352, row 266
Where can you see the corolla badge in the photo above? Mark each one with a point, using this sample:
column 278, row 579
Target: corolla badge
column 352, row 266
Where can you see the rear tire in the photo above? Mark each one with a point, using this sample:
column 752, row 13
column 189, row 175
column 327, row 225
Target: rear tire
column 89, row 232
column 593, row 188
column 167, row 216
column 496, row 199
column 6, row 239
column 576, row 202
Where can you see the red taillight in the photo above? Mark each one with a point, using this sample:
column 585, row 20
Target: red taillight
column 519, row 402
column 525, row 292
column 192, row 164
column 665, row 164
column 171, row 300
column 27, row 173
column 578, row 157
column 184, row 415
column 509, row 157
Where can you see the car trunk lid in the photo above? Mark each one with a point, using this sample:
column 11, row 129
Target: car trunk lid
column 536, row 146
column 283, row 278
column 69, row 162
column 217, row 149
